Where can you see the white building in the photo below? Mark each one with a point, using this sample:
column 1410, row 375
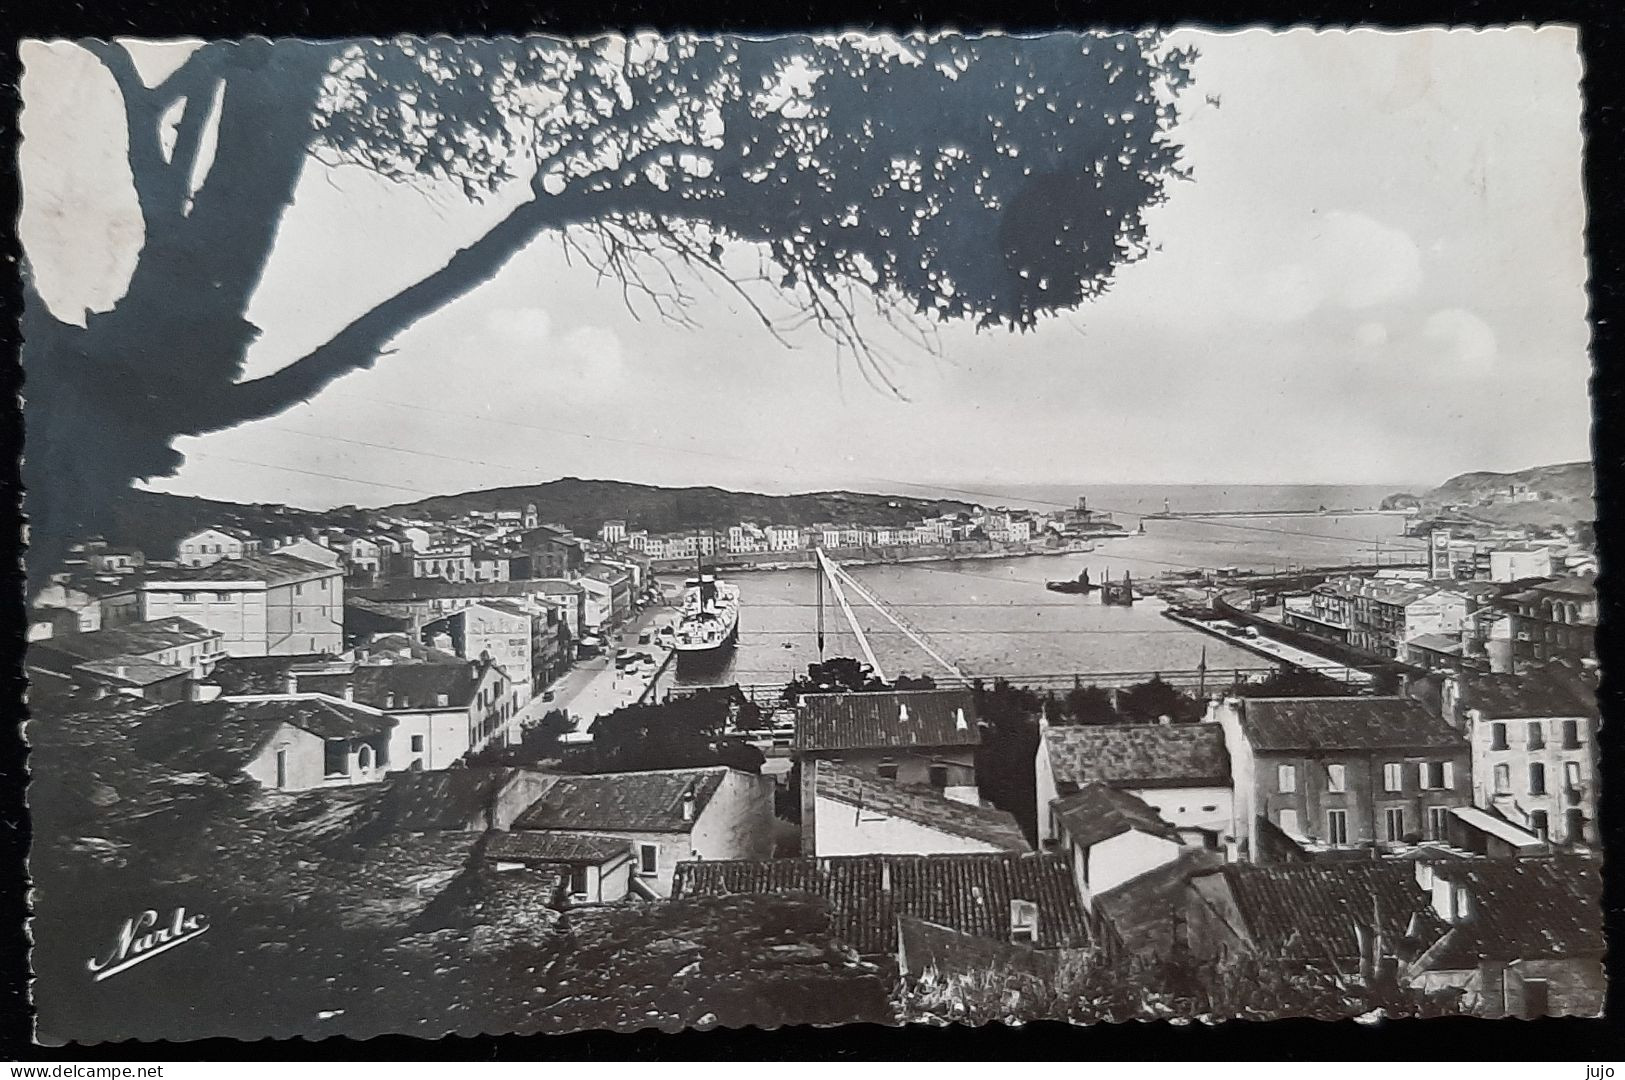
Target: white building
column 211, row 545
column 861, row 814
column 262, row 605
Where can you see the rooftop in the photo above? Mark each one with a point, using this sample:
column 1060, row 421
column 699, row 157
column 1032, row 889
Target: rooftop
column 258, row 674
column 402, row 686
column 888, row 720
column 1438, row 643
column 271, row 569
column 632, row 802
column 1538, row 693
column 133, row 639
column 222, row 736
column 429, row 589
column 1343, row 723
column 546, row 847
column 970, row 893
column 433, row 801
column 1096, row 812
column 1310, row 910
column 1138, row 755
column 132, row 671
column 1525, row 909
column 921, row 805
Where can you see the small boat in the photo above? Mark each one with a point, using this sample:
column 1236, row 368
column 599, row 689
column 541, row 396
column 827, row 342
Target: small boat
column 1081, row 585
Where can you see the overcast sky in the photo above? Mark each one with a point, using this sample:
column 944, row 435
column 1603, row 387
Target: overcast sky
column 1377, row 276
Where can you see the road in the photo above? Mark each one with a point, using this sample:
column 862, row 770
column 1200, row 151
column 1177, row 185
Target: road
column 594, row 686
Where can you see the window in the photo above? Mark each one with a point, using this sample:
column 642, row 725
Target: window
column 1393, row 776
column 1438, row 817
column 1503, row 779
column 1537, row 779
column 188, row 597
column 938, row 776
column 1537, row 735
column 1024, row 921
column 222, row 596
column 1498, row 736
column 1286, row 778
column 1337, row 827
column 364, row 758
column 282, row 768
column 298, row 589
column 1433, row 775
column 1574, row 826
column 1536, row 998
column 336, row 758
column 888, row 770
column 1571, row 775
column 1336, row 778
column 1538, row 823
column 1571, row 734
column 417, row 744
column 648, row 860
column 578, row 881
column 1393, row 820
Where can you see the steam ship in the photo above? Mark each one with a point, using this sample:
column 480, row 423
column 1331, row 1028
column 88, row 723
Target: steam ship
column 709, row 626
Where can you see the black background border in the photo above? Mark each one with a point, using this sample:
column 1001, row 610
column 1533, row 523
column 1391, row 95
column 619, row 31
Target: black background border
column 1602, row 27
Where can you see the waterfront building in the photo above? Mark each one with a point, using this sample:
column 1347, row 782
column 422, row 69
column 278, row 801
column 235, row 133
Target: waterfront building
column 1555, row 620
column 495, row 629
column 613, row 532
column 783, row 538
column 1337, row 773
column 1520, row 563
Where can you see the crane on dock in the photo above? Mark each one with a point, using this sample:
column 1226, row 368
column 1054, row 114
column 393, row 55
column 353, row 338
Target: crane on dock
column 839, row 581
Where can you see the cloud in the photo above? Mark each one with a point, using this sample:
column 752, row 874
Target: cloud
column 1468, row 341
column 1367, row 262
column 521, row 324
column 1371, row 335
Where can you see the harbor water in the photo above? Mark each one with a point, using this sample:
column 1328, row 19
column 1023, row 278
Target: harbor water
column 994, row 617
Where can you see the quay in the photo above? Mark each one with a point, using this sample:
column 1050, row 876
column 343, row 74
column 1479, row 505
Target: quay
column 1190, row 515
column 1234, row 633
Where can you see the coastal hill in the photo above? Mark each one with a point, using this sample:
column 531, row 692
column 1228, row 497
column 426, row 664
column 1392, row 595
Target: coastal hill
column 583, row 505
column 1546, row 495
column 154, row 521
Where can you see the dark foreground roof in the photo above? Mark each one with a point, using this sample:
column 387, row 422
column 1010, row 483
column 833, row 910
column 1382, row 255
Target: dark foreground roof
column 1309, row 911
column 885, row 721
column 132, row 639
column 259, row 674
column 969, row 893
column 921, row 805
column 1539, row 693
column 1525, row 909
column 1344, row 723
column 1138, row 755
column 1096, row 812
column 629, row 802
column 222, row 736
column 434, row 801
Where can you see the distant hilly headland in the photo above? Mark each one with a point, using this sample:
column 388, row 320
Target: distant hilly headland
column 1543, row 496
column 154, row 521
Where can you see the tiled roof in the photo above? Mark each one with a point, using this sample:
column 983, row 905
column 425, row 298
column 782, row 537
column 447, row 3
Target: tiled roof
column 921, row 805
column 883, row 721
column 1138, row 755
column 132, row 671
column 1096, row 812
column 1583, row 585
column 258, row 674
column 547, row 847
column 401, row 686
column 1538, row 693
column 1344, row 723
column 431, row 589
column 232, row 731
column 624, row 802
column 445, row 799
column 1439, row 643
column 1524, row 909
column 271, row 569
column 970, row 893
column 1308, row 911
column 133, row 639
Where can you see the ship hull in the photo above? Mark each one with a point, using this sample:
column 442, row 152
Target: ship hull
column 708, row 657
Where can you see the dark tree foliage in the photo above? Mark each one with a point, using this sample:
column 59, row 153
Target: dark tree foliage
column 537, row 742
column 1155, row 699
column 682, row 733
column 1004, row 760
column 845, row 675
column 840, row 181
column 1090, row 705
column 1292, row 682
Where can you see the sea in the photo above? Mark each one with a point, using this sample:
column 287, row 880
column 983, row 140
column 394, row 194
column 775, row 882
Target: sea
column 994, row 617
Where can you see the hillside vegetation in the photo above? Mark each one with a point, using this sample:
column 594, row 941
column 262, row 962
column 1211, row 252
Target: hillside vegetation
column 583, row 505
column 1564, row 495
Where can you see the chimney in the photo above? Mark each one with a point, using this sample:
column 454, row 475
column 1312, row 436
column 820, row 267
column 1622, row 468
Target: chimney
column 885, row 874
column 688, row 803
column 291, row 683
column 902, row 712
column 349, row 690
column 959, row 720
column 122, row 671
